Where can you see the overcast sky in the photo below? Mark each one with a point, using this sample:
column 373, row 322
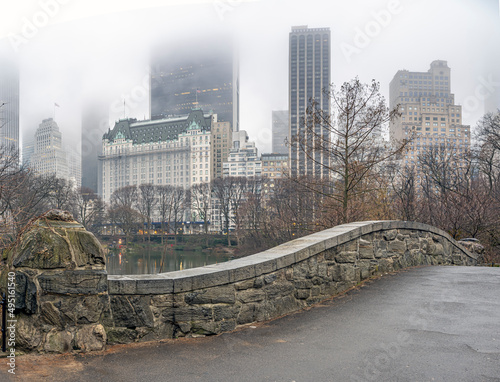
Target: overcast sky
column 71, row 50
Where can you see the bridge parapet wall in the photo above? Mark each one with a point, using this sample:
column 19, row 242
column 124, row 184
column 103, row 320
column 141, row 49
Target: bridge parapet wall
column 65, row 301
column 217, row 298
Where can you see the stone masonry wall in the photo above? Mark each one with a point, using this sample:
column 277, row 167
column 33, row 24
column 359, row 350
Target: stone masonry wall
column 217, row 298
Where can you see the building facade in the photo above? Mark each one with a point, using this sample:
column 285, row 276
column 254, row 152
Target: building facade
column 49, row 157
column 28, row 150
column 9, row 104
column 95, row 123
column 167, row 151
column 74, row 160
column 309, row 75
column 280, row 131
column 202, row 73
column 428, row 113
column 243, row 159
column 222, row 138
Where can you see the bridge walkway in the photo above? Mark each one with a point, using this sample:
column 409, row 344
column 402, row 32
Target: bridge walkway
column 438, row 323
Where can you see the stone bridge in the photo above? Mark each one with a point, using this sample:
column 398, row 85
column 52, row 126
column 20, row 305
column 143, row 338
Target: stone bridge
column 65, row 300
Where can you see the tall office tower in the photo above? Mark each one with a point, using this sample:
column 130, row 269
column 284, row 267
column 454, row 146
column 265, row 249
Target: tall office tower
column 49, row 158
column 201, row 73
column 28, row 150
column 428, row 112
column 309, row 74
column 95, row 123
column 222, row 139
column 280, row 131
column 9, row 103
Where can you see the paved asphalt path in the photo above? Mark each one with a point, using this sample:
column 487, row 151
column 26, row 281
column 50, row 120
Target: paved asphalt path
column 423, row 324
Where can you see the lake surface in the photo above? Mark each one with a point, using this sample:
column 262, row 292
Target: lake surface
column 144, row 261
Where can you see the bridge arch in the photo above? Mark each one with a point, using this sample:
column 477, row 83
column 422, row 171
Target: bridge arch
column 64, row 299
column 289, row 277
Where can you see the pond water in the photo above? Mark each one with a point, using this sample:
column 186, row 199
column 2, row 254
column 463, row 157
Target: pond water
column 149, row 261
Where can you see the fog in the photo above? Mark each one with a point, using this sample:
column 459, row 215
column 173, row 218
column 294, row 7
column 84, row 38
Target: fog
column 80, row 51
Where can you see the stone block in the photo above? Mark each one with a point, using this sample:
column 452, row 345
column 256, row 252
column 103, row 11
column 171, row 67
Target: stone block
column 154, row 286
column 390, row 234
column 51, row 315
column 90, row 338
column 226, row 325
column 242, row 285
column 216, row 295
column 246, row 314
column 193, row 313
column 279, row 289
column 346, row 257
column 131, row 311
column 74, row 282
column 242, row 273
column 251, row 295
column 285, row 261
column 347, row 272
column 26, row 296
column 268, row 279
column 303, row 284
column 301, row 254
column 397, row 246
column 210, row 279
column 28, row 335
column 121, row 286
column 58, row 341
column 322, row 270
column 225, row 312
column 365, row 249
column 302, row 294
column 162, row 300
column 264, row 267
column 121, row 335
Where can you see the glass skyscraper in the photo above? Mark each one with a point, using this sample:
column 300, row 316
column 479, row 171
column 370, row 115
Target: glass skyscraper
column 201, row 73
column 9, row 101
column 309, row 74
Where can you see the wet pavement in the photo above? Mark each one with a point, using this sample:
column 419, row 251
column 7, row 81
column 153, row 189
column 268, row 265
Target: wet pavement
column 422, row 324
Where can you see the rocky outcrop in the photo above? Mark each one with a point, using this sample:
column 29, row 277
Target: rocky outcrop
column 61, row 286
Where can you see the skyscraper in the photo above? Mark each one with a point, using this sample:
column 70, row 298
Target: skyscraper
column 95, row 123
column 9, row 101
column 202, row 73
column 280, row 131
column 49, row 157
column 428, row 112
column 309, row 74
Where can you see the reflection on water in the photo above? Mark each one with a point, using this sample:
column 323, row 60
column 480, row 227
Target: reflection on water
column 149, row 261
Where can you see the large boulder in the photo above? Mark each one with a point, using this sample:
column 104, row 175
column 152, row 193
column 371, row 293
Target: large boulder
column 61, row 285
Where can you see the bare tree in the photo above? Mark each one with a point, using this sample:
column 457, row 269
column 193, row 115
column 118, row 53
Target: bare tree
column 222, row 190
column 146, row 202
column 238, row 195
column 180, row 202
column 201, row 203
column 62, row 195
column 347, row 141
column 122, row 211
column 90, row 208
column 164, row 206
